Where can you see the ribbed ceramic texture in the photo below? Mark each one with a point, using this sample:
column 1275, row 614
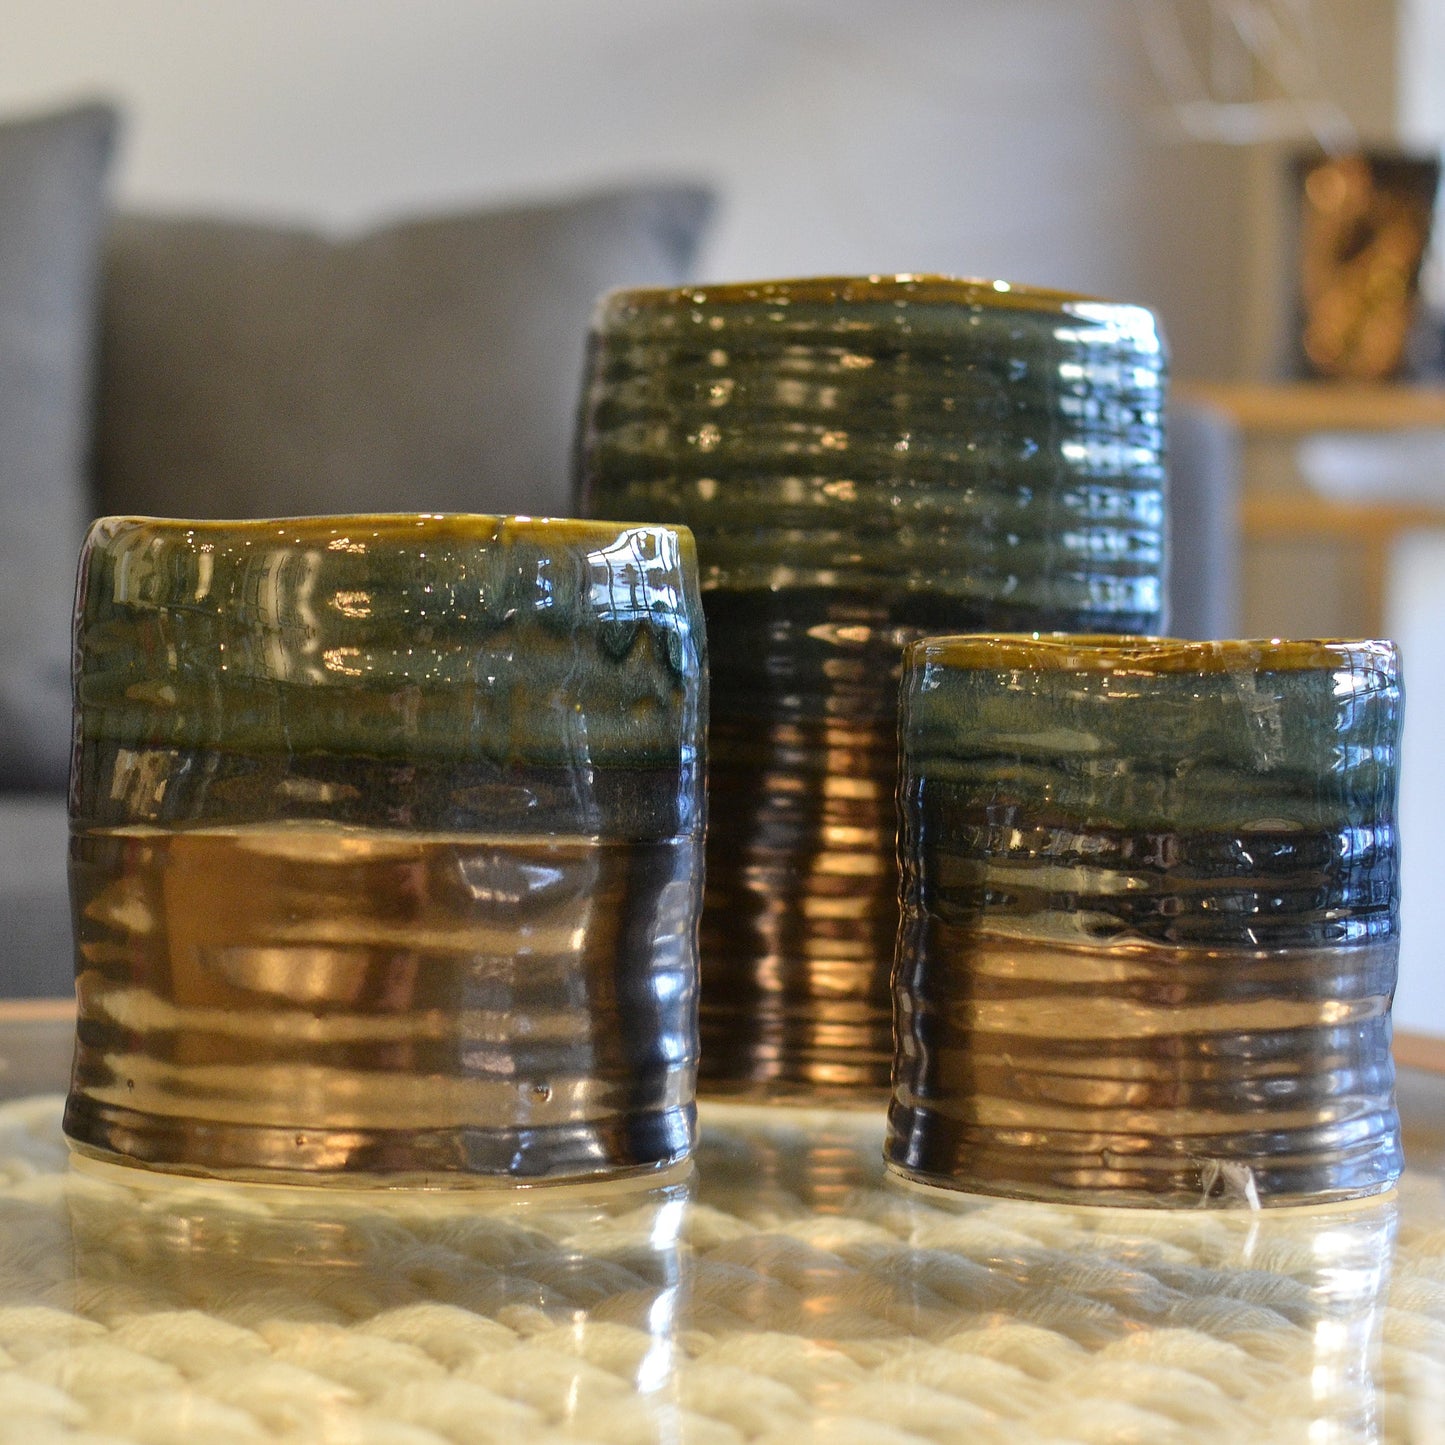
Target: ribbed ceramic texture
column 863, row 462
column 1150, row 919
column 386, row 846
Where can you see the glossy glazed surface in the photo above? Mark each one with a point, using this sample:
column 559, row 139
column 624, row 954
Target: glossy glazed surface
column 863, row 461
column 1150, row 919
column 386, row 839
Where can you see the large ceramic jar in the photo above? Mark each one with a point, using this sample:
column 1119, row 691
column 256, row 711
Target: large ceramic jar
column 863, row 462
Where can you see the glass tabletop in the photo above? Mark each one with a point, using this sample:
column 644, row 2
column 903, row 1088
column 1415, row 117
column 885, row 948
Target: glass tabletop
column 788, row 1292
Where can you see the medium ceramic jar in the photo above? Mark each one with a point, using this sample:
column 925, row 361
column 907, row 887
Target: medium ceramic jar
column 863, row 461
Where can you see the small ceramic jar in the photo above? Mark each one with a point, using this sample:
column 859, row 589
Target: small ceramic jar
column 863, row 461
column 1150, row 919
column 386, row 847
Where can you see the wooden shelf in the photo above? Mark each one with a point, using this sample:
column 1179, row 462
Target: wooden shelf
column 1290, row 517
column 36, row 1010
column 1294, row 409
column 1288, row 530
column 1420, row 1051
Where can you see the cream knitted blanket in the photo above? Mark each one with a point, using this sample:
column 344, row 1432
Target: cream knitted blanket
column 788, row 1294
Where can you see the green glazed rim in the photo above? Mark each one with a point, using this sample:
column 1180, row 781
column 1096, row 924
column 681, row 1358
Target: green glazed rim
column 929, row 288
column 1145, row 656
column 394, row 527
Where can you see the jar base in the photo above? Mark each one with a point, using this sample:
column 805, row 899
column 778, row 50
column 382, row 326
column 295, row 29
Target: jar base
column 1241, row 1193
column 657, row 1149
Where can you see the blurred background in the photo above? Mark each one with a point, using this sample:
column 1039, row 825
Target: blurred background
column 1050, row 141
column 1136, row 149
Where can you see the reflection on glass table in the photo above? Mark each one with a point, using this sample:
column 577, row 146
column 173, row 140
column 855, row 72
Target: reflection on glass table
column 786, row 1293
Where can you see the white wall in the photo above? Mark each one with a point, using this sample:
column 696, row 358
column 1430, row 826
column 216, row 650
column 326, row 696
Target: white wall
column 992, row 137
column 1422, row 109
column 1417, row 596
column 1415, row 605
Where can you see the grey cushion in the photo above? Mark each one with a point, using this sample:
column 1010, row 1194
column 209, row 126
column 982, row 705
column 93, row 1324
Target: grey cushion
column 36, row 958
column 432, row 366
column 52, row 212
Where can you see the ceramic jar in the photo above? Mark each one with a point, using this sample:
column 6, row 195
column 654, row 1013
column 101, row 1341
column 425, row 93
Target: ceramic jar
column 863, row 461
column 386, row 848
column 1150, row 919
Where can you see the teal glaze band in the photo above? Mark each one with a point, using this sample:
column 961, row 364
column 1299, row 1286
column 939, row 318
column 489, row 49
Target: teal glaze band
column 898, row 434
column 517, row 641
column 1294, row 734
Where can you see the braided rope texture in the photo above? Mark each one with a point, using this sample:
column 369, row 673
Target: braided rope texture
column 788, row 1294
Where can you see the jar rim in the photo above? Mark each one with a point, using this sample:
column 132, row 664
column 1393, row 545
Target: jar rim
column 393, row 528
column 1147, row 656
column 928, row 288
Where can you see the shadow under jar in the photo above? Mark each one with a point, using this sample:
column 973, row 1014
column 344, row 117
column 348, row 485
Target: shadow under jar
column 863, row 462
column 1150, row 919
column 386, row 848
